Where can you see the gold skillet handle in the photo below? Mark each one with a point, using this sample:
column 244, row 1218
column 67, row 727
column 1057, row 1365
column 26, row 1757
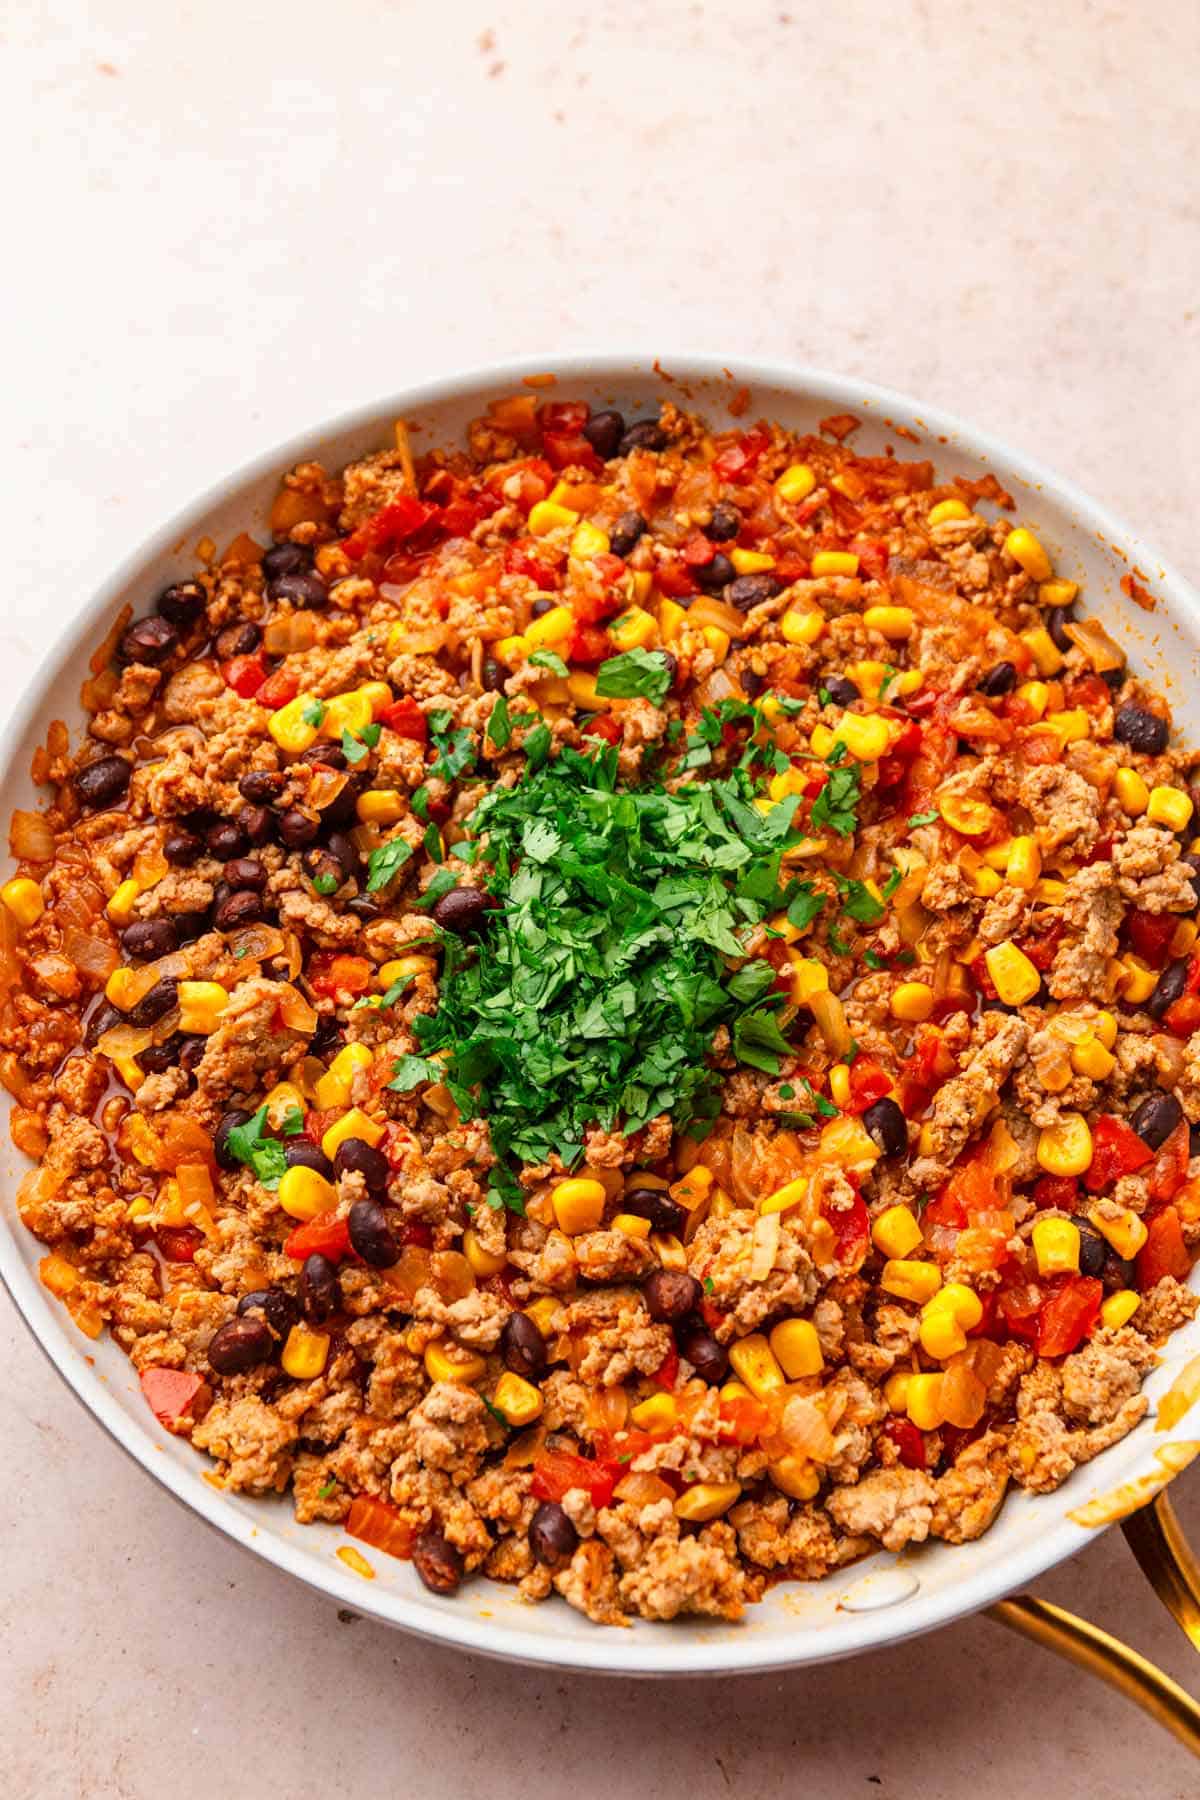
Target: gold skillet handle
column 1154, row 1536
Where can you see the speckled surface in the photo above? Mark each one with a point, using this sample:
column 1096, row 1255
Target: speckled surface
column 231, row 220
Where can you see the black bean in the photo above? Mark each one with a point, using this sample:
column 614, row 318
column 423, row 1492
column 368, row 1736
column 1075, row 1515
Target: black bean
column 320, row 1291
column 354, row 1156
column 655, row 1204
column 149, row 939
column 150, row 640
column 372, row 1236
column 238, row 909
column 1114, row 679
column 296, row 828
column 1194, row 1140
column 256, row 824
column 286, row 559
column 1156, row 1118
column 155, row 1004
column 752, row 683
column 190, row 925
column 1118, row 1272
column 246, row 872
column 752, row 590
column 671, row 1294
column 330, row 756
column 280, row 1309
column 338, row 846
column 261, row 786
column 1001, row 679
column 461, row 909
column 1193, row 862
column 241, row 639
column 101, row 1020
column 999, row 1006
column 725, row 523
column 306, row 591
column 626, row 532
column 884, row 1122
column 225, row 1124
column 714, row 576
column 709, row 1358
column 156, row 1058
column 363, row 907
column 437, row 1562
column 841, row 690
column 552, row 1537
column 191, row 1049
column 1093, row 1251
column 327, row 1037
column 604, row 431
column 324, row 869
column 240, row 1345
column 182, row 847
column 1141, row 730
column 225, row 840
column 299, row 1153
column 494, row 675
column 103, row 782
column 522, row 1346
column 1168, row 988
column 541, row 606
column 646, row 434
column 182, row 603
column 342, row 810
column 1056, row 618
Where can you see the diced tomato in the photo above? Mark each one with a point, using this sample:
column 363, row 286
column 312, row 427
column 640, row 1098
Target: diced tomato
column 1060, row 1191
column 1164, row 1252
column 589, row 645
column 738, row 460
column 610, row 568
column 1088, row 691
column 789, row 568
column 500, row 1284
column 398, row 1144
column 439, row 810
column 563, row 415
column 244, row 674
column 1150, row 935
column 406, row 719
column 1042, row 949
column 518, row 561
column 872, row 556
column 1040, row 747
column 1171, row 1164
column 531, row 479
column 674, row 579
column 698, row 552
column 909, row 1442
column 377, row 1523
column 1103, row 850
column 278, row 689
column 171, row 1395
column 851, row 1226
column 987, row 1324
column 667, row 1372
column 1020, row 1307
column 178, row 1243
column 391, row 525
column 557, row 1471
column 1116, row 1150
column 320, row 1237
column 971, row 1188
column 603, row 725
column 570, row 450
column 330, row 974
column 1069, row 1315
column 868, row 1083
column 417, row 1232
column 955, row 1438
column 743, row 1420
column 1183, row 1016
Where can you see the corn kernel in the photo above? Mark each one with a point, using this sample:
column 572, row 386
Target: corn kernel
column 962, row 1302
column 130, row 1071
column 354, row 1124
column 821, row 740
column 784, row 1198
column 794, row 1476
column 305, row 1353
column 912, row 1001
column 790, row 781
column 896, row 1232
column 1126, row 1232
column 668, row 1249
column 1046, row 653
column 1025, row 550
column 290, row 727
column 839, row 1085
column 483, row 1262
column 917, row 1281
column 706, row 1500
column 717, row 640
column 1036, row 696
column 377, row 695
column 581, row 687
column 1105, row 1028
column 578, row 1205
column 1184, row 937
column 1049, row 891
column 1119, row 1308
column 448, row 1361
column 834, row 562
column 751, row 562
column 797, row 1348
column 547, row 516
column 923, row 1401
column 379, row 806
column 985, row 882
column 946, row 510
column 1066, row 1148
column 796, row 483
column 330, row 1093
column 304, row 1193
column 588, row 540
column 735, row 1390
column 125, row 898
column 802, row 625
column 658, row 1413
column 509, row 650
column 405, row 968
column 909, row 682
column 1167, row 806
column 1070, row 727
column 865, row 738
column 349, row 1060
column 554, row 627
column 1056, row 1246
column 201, row 1004
column 543, row 1313
column 941, row 1334
column 895, row 623
column 634, row 629
column 1058, row 592
column 969, row 817
column 753, row 1361
column 1131, row 791
column 895, row 1390
column 670, row 620
column 1014, row 977
column 350, row 712
column 1089, row 1057
column 996, row 855
column 284, row 1098
column 23, row 898
column 517, row 1399
column 1024, row 863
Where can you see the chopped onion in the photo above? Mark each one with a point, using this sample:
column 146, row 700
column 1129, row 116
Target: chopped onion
column 830, row 1018
column 295, row 1011
column 963, row 1397
column 453, row 1276
column 413, row 1271
column 1090, row 636
column 30, row 838
column 255, row 943
column 764, row 1245
column 719, row 686
column 708, row 610
column 325, row 786
column 290, row 632
column 426, row 642
column 90, row 955
column 641, row 1488
column 523, row 1450
column 607, row 1409
column 806, row 1429
column 1169, row 1056
column 123, row 1040
column 166, row 968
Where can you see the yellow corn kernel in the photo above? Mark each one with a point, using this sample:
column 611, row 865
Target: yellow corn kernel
column 751, row 562
column 706, row 1500
column 329, row 1092
column 1025, row 550
column 483, row 1262
column 1105, row 1028
column 304, row 1193
column 797, row 1348
column 794, row 1476
column 896, row 1232
column 847, row 1141
column 507, row 650
column 1183, row 938
column 139, row 1207
column 290, row 728
column 784, row 1198
column 802, row 625
column 554, row 627
column 1058, row 592
column 633, row 630
column 448, row 1361
column 735, row 1390
column 129, row 1070
column 834, row 562
column 1089, row 1057
column 201, row 1004
column 895, row 623
column 895, row 1390
column 380, row 806
column 971, row 818
column 23, row 898
column 1065, row 1148
column 354, row 1559
column 517, row 1399
column 1049, row 891
column 1036, row 696
column 753, row 1361
column 1125, row 1232
column 1056, row 1246
column 865, row 738
column 1132, row 792
column 717, row 640
column 1046, row 653
column 809, row 977
column 912, row 1001
column 404, row 968
column 1119, row 1308
column 349, row 1060
column 923, row 1401
column 377, row 694
column 631, row 1225
column 986, row 882
column 909, row 682
column 839, row 1085
column 796, row 483
column 941, row 1334
column 658, row 1413
column 670, row 620
column 350, row 712
column 1024, row 863
column 578, row 1205
column 120, row 907
column 1015, row 978
column 588, row 540
column 642, row 585
column 868, row 676
column 918, row 1281
column 693, row 1188
column 790, row 781
column 543, row 1313
column 996, row 855
column 1138, row 981
column 581, row 688
column 305, row 1353
column 1168, row 806
column 668, row 1249
column 822, row 740
column 143, row 1141
column 946, row 510
column 961, row 1302
column 354, row 1124
column 547, row 516
column 1070, row 727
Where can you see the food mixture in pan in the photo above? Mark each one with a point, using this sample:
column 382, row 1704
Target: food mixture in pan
column 618, row 1009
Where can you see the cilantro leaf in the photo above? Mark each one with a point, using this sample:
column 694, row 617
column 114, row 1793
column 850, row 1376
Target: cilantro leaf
column 249, row 1144
column 758, row 1041
column 325, row 883
column 549, row 659
column 292, row 1123
column 353, row 749
column 313, row 713
column 441, row 884
column 925, row 818
column 804, row 906
column 537, row 745
column 432, row 842
column 384, row 864
column 408, row 1072
column 645, row 674
column 837, row 803
column 499, row 726
column 750, row 982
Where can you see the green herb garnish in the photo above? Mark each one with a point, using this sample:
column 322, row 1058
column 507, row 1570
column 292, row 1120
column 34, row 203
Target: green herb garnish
column 499, row 726
column 326, row 883
column 384, row 864
column 549, row 659
column 249, row 1144
column 313, row 713
column 643, row 674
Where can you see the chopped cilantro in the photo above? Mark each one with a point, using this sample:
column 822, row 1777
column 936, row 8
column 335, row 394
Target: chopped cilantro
column 313, row 713
column 709, row 1284
column 292, row 1123
column 408, row 1072
column 353, row 749
column 836, row 804
column 499, row 726
column 420, row 801
column 249, row 1144
column 786, row 1091
column 889, row 676
column 852, row 1052
column 441, row 884
column 390, row 995
column 537, row 745
column 873, row 959
column 821, row 1106
column 757, row 1040
column 495, row 1412
column 327, row 1488
column 804, row 906
column 455, row 749
column 858, row 902
column 646, row 674
column 925, row 818
column 384, row 864
column 837, row 942
column 549, row 659
column 326, row 883
column 432, row 843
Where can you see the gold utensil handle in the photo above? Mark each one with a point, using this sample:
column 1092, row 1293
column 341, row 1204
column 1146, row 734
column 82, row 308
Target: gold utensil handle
column 1155, row 1537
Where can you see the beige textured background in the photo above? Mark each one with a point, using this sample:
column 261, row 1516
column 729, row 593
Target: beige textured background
column 228, row 219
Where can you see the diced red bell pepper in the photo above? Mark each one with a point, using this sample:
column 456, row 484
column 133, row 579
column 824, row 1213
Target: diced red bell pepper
column 320, row 1237
column 1150, row 934
column 698, row 551
column 330, row 973
column 610, row 568
column 382, row 1526
column 738, row 460
column 1059, row 1191
column 1020, row 1308
column 406, row 719
column 909, row 1442
column 675, row 579
column 417, row 1232
column 1088, row 691
column 562, row 423
column 557, row 1471
column 391, row 525
column 603, row 725
column 178, row 1243
column 742, row 1419
column 971, row 1188
column 1069, row 1315
column 589, row 645
column 1164, row 1252
column 868, row 1083
column 244, row 674
column 1171, row 1164
column 1116, row 1150
column 851, row 1227
column 518, row 561
column 872, row 556
column 171, row 1395
column 667, row 1372
column 1040, row 747
column 278, row 689
column 1183, row 1016
column 1042, row 949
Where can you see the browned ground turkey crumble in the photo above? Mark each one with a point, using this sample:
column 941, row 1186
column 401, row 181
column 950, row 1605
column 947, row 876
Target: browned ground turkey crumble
column 932, row 1250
